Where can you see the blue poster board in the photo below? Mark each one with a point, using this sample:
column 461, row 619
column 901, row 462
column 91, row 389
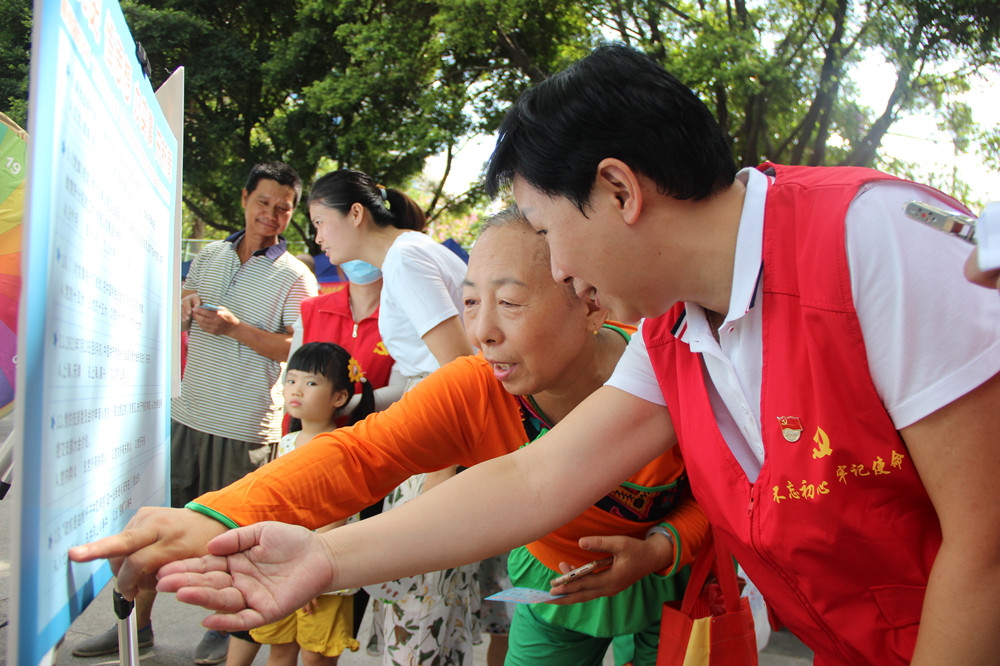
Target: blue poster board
column 93, row 379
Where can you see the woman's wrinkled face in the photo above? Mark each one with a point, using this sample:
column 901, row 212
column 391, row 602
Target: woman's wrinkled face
column 532, row 330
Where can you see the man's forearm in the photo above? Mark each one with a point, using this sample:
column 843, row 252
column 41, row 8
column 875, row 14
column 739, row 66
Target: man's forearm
column 274, row 346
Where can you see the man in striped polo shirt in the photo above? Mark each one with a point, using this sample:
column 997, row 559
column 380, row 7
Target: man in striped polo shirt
column 239, row 302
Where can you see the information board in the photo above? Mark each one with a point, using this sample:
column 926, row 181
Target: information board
column 93, row 379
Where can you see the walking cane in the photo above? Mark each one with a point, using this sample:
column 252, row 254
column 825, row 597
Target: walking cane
column 128, row 634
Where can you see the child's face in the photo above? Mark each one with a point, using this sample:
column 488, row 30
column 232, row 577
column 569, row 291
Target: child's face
column 311, row 397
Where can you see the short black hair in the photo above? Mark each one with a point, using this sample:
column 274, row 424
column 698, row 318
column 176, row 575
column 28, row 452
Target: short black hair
column 279, row 172
column 615, row 102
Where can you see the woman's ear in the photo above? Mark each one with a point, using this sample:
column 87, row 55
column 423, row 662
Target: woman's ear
column 340, row 398
column 357, row 214
column 620, row 185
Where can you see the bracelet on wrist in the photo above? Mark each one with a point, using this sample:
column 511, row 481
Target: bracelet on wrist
column 660, row 529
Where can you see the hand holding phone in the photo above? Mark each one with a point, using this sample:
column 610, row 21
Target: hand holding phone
column 580, row 572
column 206, row 306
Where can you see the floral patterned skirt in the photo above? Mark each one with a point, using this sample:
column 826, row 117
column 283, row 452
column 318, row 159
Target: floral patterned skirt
column 494, row 616
column 428, row 619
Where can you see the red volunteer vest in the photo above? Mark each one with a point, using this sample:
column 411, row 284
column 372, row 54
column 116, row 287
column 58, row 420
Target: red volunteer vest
column 328, row 318
column 837, row 531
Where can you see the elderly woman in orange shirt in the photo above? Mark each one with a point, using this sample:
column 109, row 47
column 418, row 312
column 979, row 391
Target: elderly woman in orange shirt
column 543, row 350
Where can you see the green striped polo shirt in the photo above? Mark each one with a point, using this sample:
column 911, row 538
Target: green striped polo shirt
column 229, row 390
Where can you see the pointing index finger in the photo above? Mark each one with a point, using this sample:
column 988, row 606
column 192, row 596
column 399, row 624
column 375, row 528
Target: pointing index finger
column 122, row 544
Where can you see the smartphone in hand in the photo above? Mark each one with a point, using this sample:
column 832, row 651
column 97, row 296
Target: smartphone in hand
column 580, row 572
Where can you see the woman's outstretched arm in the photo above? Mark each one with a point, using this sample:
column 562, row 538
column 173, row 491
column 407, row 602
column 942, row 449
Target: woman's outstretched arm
column 488, row 509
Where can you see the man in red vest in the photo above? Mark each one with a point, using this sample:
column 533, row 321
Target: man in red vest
column 831, row 379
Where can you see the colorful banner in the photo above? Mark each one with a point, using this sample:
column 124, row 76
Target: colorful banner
column 13, row 171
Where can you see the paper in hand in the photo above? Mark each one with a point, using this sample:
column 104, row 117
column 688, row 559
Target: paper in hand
column 523, row 595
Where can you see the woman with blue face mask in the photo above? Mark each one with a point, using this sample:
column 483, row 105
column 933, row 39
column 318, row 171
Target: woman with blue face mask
column 421, row 298
column 348, row 315
column 362, row 226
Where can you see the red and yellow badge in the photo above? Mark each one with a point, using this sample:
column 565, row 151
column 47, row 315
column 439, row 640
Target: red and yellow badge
column 354, row 372
column 791, row 428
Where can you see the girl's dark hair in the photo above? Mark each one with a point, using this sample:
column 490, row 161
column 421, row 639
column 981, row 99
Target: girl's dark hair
column 388, row 207
column 333, row 362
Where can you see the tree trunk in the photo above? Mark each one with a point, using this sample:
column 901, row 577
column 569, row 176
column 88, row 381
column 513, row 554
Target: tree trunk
column 864, row 154
column 826, row 92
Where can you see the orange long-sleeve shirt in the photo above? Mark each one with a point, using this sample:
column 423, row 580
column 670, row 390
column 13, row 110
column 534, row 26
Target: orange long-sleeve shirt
column 459, row 415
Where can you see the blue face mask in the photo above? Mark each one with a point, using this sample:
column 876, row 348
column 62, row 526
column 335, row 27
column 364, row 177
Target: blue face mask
column 360, row 272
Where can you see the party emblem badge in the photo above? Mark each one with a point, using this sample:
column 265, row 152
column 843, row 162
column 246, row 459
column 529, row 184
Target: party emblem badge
column 791, row 428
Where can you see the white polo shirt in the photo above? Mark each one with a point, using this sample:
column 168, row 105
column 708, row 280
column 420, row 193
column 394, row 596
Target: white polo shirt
column 421, row 287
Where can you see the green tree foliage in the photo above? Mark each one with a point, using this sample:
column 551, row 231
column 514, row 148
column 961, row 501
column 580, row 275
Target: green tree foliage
column 322, row 84
column 15, row 57
column 381, row 85
column 778, row 73
column 224, row 48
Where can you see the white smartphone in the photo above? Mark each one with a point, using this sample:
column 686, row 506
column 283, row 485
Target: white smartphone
column 580, row 572
column 955, row 224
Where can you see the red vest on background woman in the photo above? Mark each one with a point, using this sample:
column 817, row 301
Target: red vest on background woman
column 837, row 532
column 328, row 318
